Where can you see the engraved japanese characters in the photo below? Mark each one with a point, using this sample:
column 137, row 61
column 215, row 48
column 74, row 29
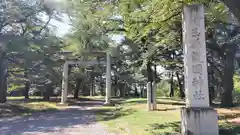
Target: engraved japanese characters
column 195, row 67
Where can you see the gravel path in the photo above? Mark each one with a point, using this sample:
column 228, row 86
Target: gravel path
column 71, row 121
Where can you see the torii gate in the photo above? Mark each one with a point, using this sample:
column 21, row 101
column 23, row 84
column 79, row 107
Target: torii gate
column 87, row 63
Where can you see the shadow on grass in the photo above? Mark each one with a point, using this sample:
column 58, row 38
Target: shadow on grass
column 168, row 109
column 170, row 103
column 71, row 101
column 138, row 101
column 229, row 129
column 228, row 116
column 163, row 129
column 106, row 114
column 174, row 127
column 10, row 110
column 142, row 101
column 34, row 99
column 172, row 99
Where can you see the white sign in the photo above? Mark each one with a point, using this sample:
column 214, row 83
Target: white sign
column 195, row 65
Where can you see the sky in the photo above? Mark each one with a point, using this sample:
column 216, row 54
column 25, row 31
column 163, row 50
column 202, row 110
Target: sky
column 64, row 27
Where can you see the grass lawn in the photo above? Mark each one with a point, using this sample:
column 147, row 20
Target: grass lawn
column 131, row 117
column 128, row 116
column 16, row 106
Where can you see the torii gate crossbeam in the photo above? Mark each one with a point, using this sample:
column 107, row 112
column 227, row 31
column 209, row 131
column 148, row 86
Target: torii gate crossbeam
column 86, row 63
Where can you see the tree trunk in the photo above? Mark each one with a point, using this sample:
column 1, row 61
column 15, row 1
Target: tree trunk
column 85, row 89
column 149, row 71
column 234, row 6
column 27, row 86
column 142, row 91
column 93, row 87
column 3, row 80
column 48, row 92
column 150, row 76
column 46, row 97
column 211, row 95
column 76, row 91
column 226, row 96
column 211, row 84
column 180, row 85
column 171, row 93
column 135, row 91
column 121, row 87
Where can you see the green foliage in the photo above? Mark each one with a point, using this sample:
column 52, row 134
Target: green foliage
column 236, row 92
column 163, row 88
column 13, row 87
column 31, row 48
column 88, row 31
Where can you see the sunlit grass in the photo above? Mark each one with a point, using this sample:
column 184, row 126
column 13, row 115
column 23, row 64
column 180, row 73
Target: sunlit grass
column 131, row 117
column 22, row 97
column 38, row 106
column 17, row 106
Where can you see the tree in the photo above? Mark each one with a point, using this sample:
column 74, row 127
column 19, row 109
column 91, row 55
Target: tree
column 152, row 35
column 25, row 34
column 234, row 6
column 225, row 44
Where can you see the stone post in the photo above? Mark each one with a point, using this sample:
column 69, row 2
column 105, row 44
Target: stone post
column 64, row 83
column 198, row 118
column 154, row 96
column 149, row 93
column 108, row 80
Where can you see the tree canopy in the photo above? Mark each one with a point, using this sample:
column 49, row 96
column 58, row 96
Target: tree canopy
column 149, row 48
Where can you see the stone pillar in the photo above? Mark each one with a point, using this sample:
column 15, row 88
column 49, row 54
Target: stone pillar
column 149, row 96
column 64, row 83
column 108, row 80
column 154, row 95
column 197, row 117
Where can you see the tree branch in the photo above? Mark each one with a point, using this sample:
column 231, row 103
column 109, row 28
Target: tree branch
column 215, row 67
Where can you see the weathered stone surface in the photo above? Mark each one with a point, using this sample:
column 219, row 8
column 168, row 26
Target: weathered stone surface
column 149, row 97
column 199, row 121
column 195, row 65
column 197, row 117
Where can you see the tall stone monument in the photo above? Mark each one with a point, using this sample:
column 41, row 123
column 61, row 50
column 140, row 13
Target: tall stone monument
column 198, row 118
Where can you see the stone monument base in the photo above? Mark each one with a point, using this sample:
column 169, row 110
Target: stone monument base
column 199, row 121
